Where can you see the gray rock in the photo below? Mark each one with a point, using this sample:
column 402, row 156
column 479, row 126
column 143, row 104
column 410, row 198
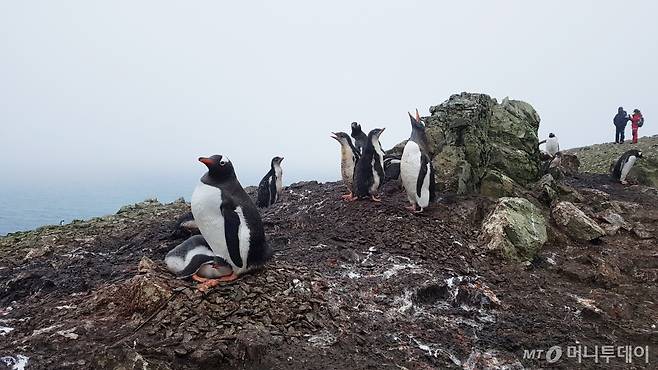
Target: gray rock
column 575, row 222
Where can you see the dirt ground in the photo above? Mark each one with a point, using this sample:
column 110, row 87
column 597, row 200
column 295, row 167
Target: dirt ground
column 352, row 285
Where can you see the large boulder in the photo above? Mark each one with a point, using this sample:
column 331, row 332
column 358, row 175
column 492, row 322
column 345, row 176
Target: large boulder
column 575, row 222
column 472, row 138
column 516, row 228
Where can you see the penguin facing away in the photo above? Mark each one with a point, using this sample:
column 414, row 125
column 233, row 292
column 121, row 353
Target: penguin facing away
column 271, row 185
column 360, row 138
column 230, row 226
column 369, row 172
column 349, row 156
column 416, row 169
column 625, row 164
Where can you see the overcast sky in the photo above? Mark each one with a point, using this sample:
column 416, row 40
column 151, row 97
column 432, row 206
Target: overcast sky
column 119, row 88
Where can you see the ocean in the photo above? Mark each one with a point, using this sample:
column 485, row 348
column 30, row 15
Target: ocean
column 25, row 207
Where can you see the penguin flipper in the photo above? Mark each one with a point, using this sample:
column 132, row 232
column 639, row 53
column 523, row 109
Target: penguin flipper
column 231, row 232
column 424, row 167
column 432, row 183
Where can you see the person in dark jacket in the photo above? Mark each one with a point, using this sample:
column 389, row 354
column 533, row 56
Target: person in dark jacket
column 620, row 121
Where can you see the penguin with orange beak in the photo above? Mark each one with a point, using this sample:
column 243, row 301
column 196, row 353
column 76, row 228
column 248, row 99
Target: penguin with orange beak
column 416, row 169
column 232, row 239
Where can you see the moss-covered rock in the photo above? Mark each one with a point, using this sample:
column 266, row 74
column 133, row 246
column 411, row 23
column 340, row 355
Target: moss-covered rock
column 516, row 228
column 476, row 141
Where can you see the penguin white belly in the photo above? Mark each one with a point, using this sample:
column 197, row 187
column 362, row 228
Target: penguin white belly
column 347, row 167
column 627, row 167
column 279, row 180
column 375, row 178
column 206, row 208
column 552, row 146
column 410, row 169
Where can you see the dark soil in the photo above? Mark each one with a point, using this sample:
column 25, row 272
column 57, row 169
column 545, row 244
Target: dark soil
column 352, row 285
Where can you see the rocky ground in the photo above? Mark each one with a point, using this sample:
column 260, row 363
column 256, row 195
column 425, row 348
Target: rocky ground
column 598, row 158
column 351, row 285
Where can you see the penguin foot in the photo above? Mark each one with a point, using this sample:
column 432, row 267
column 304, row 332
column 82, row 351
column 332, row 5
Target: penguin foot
column 199, row 279
column 347, row 197
column 411, row 208
column 624, row 182
column 210, row 283
column 375, row 199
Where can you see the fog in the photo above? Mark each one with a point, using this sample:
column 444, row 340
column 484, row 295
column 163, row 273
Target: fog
column 122, row 90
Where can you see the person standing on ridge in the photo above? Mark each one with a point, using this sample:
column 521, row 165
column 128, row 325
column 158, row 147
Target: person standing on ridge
column 636, row 122
column 620, row 121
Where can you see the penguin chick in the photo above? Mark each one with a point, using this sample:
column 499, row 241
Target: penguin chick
column 416, row 168
column 271, row 185
column 625, row 164
column 369, row 172
column 228, row 221
column 194, row 257
column 360, row 138
column 349, row 156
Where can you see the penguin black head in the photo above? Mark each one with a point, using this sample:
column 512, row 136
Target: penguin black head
column 416, row 122
column 219, row 167
column 342, row 137
column 551, row 135
column 276, row 160
column 356, row 130
column 639, row 154
column 375, row 133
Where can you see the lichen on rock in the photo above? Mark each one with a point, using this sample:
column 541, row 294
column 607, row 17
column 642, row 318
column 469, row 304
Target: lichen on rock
column 474, row 138
column 516, row 228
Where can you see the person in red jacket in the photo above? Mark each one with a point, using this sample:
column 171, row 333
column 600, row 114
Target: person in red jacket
column 635, row 119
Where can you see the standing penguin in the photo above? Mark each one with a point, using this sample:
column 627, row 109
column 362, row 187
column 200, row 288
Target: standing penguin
column 369, row 173
column 360, row 138
column 348, row 159
column 624, row 165
column 271, row 185
column 416, row 167
column 230, row 225
column 552, row 145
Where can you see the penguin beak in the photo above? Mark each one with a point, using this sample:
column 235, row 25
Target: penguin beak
column 207, row 161
column 334, row 136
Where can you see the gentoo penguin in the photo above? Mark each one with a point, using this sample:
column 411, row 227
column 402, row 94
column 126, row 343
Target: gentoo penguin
column 416, row 167
column 624, row 165
column 348, row 159
column 369, row 172
column 230, row 226
column 552, row 146
column 271, row 185
column 392, row 167
column 360, row 138
column 194, row 257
